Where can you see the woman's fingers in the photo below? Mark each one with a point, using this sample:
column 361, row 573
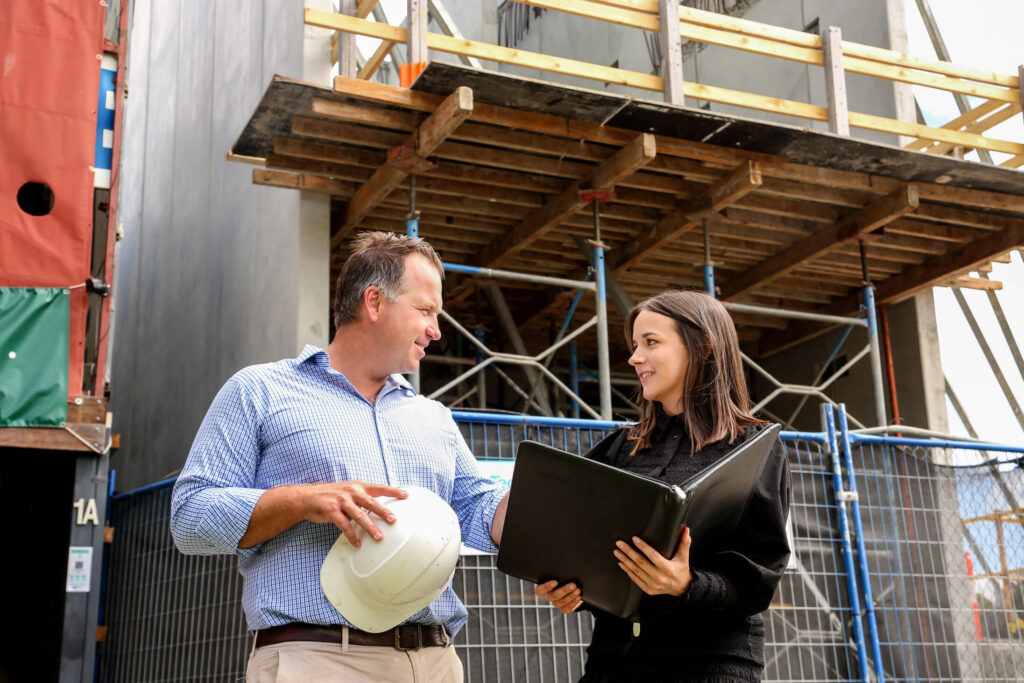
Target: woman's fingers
column 566, row 598
column 627, row 554
column 652, row 554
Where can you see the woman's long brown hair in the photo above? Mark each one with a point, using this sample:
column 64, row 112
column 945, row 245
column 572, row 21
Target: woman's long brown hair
column 716, row 404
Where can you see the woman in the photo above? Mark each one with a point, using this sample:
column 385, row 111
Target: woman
column 701, row 615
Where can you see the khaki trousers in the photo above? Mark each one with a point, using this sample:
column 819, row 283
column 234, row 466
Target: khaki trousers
column 308, row 662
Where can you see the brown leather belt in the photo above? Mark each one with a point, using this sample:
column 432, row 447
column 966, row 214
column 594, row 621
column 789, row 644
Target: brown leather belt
column 404, row 637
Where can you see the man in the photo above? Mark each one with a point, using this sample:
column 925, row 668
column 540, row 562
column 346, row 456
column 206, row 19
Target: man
column 281, row 462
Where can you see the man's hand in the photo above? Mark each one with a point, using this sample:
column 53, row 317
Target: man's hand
column 566, row 598
column 651, row 571
column 343, row 504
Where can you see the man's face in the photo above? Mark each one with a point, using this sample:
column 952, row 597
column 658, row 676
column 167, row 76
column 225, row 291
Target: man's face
column 408, row 325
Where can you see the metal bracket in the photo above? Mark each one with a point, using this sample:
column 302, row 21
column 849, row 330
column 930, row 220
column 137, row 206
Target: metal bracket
column 848, row 496
column 597, row 195
column 405, row 159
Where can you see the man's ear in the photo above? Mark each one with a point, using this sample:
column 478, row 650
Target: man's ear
column 372, row 300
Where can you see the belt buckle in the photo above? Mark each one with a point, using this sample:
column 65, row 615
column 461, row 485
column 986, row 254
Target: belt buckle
column 414, row 628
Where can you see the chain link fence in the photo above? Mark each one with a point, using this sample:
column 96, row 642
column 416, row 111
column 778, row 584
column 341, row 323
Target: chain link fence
column 942, row 544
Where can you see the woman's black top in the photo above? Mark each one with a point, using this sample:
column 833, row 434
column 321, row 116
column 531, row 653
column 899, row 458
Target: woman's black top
column 714, row 632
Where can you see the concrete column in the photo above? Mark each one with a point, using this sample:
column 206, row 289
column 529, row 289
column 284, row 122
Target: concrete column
column 313, row 270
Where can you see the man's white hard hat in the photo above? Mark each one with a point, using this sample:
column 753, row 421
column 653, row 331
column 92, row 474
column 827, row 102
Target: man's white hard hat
column 382, row 583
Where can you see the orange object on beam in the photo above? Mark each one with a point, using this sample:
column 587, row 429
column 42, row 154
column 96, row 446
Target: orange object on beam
column 407, row 73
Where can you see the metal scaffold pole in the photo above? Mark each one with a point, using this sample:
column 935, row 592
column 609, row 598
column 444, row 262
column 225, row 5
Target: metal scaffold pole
column 877, row 383
column 603, row 364
column 412, row 229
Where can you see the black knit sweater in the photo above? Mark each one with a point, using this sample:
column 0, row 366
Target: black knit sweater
column 715, row 631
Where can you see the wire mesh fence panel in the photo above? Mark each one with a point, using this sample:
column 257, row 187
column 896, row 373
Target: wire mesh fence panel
column 926, row 512
column 512, row 635
column 170, row 617
column 943, row 542
column 807, row 628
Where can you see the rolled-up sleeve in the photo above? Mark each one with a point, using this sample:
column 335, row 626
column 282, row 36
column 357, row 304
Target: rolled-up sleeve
column 475, row 498
column 215, row 495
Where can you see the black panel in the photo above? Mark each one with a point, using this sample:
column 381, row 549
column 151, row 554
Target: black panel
column 35, row 500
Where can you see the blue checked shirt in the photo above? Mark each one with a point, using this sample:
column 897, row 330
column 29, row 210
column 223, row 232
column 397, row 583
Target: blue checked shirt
column 299, row 421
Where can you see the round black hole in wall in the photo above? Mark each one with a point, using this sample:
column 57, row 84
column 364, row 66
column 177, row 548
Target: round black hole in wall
column 35, row 199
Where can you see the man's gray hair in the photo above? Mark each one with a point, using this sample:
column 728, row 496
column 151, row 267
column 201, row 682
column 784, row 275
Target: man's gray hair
column 377, row 260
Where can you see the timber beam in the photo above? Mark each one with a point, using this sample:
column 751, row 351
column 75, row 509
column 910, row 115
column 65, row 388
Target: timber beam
column 869, row 219
column 904, row 285
column 455, row 109
column 638, row 153
column 689, row 214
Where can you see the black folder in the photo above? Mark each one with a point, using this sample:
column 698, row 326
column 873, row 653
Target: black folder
column 565, row 514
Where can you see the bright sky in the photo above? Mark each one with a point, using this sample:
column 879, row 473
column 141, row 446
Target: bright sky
column 980, row 35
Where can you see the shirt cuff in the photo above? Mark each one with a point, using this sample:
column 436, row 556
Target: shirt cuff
column 480, row 532
column 224, row 524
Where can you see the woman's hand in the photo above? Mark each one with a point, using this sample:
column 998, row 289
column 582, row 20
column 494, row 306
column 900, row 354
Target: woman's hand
column 566, row 598
column 649, row 569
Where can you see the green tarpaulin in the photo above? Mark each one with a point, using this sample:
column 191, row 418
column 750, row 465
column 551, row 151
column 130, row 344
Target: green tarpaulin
column 34, row 324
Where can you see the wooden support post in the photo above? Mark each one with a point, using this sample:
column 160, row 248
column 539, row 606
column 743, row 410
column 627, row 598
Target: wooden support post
column 347, row 52
column 671, row 51
column 417, row 42
column 835, row 81
column 868, row 219
column 431, row 133
column 689, row 214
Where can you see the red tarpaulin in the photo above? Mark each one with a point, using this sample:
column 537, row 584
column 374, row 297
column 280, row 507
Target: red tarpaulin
column 49, row 79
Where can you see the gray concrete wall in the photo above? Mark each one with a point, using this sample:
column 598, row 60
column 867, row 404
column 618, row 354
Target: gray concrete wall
column 207, row 277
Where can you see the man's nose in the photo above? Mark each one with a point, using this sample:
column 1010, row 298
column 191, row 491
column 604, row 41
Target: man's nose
column 434, row 329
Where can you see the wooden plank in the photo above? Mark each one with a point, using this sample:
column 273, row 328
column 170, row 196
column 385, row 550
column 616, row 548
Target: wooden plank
column 907, row 283
column 688, row 215
column 607, row 174
column 294, row 181
column 995, row 119
column 446, row 118
column 771, row 166
column 552, row 125
column 376, row 59
column 55, row 439
column 496, row 53
column 967, row 282
column 671, row 50
column 835, row 81
column 755, row 29
column 964, row 119
column 870, row 218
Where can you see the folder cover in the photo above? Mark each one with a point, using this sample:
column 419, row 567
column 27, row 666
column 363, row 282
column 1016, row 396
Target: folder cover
column 565, row 514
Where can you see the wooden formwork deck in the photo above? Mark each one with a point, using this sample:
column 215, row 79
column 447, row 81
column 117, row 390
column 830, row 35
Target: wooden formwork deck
column 786, row 207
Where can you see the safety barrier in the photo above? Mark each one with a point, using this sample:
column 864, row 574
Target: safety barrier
column 999, row 93
column 878, row 588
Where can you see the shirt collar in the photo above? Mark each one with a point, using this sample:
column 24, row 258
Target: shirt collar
column 309, row 351
column 322, row 358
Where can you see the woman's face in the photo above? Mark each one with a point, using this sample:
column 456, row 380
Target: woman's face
column 660, row 359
